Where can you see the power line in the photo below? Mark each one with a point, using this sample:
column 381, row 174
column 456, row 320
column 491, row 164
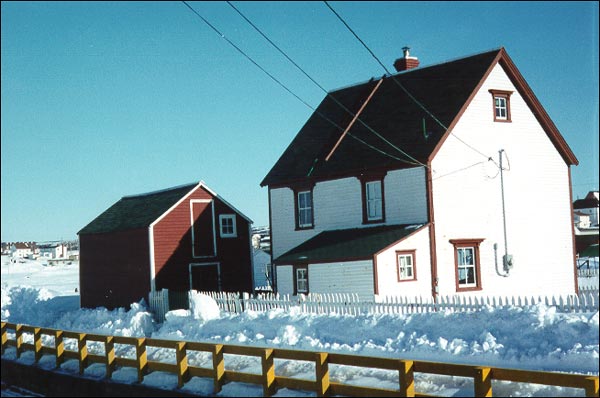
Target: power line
column 282, row 85
column 319, row 85
column 400, row 84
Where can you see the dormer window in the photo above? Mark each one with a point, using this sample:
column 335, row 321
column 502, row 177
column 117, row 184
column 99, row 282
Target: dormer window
column 501, row 105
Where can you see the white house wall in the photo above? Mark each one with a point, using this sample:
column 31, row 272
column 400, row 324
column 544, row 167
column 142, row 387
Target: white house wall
column 344, row 277
column 285, row 279
column 467, row 199
column 338, row 205
column 387, row 273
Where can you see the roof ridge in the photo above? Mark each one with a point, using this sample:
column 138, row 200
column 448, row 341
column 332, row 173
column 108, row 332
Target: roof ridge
column 161, row 191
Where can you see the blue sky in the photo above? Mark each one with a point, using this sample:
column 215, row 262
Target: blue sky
column 102, row 100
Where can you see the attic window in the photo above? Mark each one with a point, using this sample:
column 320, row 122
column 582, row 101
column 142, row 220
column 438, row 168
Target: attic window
column 501, row 105
column 227, row 226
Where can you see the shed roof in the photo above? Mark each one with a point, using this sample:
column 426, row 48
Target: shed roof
column 136, row 211
column 400, row 112
column 355, row 243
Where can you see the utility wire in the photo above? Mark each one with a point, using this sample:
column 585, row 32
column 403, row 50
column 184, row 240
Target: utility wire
column 320, row 86
column 284, row 87
column 400, row 84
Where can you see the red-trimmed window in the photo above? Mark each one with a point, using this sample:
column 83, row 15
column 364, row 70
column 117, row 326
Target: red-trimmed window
column 304, row 209
column 406, row 267
column 501, row 105
column 466, row 262
column 301, row 280
column 373, row 200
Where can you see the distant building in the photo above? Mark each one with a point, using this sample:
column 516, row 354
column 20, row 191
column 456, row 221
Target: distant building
column 21, row 249
column 53, row 250
column 587, row 206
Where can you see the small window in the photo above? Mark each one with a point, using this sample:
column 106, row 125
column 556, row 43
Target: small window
column 466, row 259
column 501, row 105
column 406, row 266
column 373, row 204
column 301, row 280
column 305, row 209
column 228, row 227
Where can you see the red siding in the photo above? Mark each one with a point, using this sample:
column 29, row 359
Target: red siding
column 114, row 268
column 173, row 247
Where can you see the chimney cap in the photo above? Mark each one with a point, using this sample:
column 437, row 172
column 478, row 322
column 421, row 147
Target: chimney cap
column 406, row 50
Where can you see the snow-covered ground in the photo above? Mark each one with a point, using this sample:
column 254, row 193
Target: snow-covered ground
column 536, row 338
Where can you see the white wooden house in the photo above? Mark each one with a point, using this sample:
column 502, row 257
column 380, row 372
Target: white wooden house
column 394, row 187
column 21, row 249
column 53, row 250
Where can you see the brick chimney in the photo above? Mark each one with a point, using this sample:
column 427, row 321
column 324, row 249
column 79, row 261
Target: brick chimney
column 407, row 62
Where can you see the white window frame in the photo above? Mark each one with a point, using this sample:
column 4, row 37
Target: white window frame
column 303, row 280
column 307, row 210
column 501, row 107
column 231, row 217
column 466, row 267
column 406, row 267
column 377, row 201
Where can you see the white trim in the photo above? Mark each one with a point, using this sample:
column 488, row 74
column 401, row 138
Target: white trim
column 231, row 217
column 152, row 259
column 466, row 267
column 213, row 193
column 218, row 264
column 412, row 266
column 214, row 232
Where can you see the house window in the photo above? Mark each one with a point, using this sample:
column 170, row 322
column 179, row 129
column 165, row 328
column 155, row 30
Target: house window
column 467, row 267
column 373, row 203
column 405, row 261
column 501, row 105
column 301, row 280
column 227, row 226
column 304, row 209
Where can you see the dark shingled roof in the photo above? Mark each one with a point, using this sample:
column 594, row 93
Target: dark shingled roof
column 443, row 89
column 137, row 211
column 356, row 243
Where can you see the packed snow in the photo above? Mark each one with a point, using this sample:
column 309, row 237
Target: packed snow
column 536, row 337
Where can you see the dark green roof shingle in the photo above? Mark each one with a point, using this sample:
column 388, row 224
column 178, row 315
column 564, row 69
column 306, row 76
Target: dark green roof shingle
column 356, row 243
column 139, row 211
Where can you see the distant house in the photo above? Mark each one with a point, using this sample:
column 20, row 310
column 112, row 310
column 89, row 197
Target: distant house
column 181, row 238
column 52, row 250
column 263, row 271
column 413, row 184
column 21, row 249
column 588, row 206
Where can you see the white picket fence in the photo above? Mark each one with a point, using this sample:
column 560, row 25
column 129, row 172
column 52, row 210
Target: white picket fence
column 350, row 304
column 588, row 272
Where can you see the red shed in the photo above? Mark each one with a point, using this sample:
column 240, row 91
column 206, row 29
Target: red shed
column 180, row 238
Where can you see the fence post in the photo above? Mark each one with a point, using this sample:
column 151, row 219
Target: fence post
column 19, row 338
column 322, row 373
column 109, row 349
column 60, row 347
column 4, row 337
column 141, row 357
column 407, row 378
column 37, row 343
column 82, row 351
column 182, row 364
column 591, row 387
column 483, row 382
column 268, row 372
column 218, row 367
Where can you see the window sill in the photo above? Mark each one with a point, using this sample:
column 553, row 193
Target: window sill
column 468, row 289
column 407, row 280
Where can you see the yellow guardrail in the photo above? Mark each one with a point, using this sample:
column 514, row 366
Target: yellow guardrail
column 270, row 382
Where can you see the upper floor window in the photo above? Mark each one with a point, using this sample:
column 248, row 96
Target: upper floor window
column 501, row 105
column 227, row 226
column 373, row 203
column 304, row 209
column 466, row 261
